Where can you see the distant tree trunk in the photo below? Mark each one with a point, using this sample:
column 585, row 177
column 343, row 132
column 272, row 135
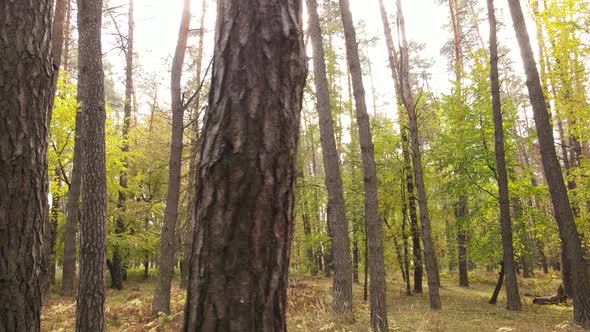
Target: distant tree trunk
column 194, row 152
column 57, row 42
column 342, row 283
column 407, row 162
column 377, row 284
column 117, row 270
column 56, row 47
column 410, row 106
column 406, row 258
column 244, row 199
column 73, row 205
column 167, row 240
column 355, row 253
column 512, row 296
column 53, row 217
column 26, row 74
column 90, row 303
column 460, row 214
column 309, row 251
column 494, row 298
column 366, row 261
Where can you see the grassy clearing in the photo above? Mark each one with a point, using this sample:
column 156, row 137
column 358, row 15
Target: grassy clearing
column 464, row 309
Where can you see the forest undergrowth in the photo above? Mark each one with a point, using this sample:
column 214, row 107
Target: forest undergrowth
column 309, row 301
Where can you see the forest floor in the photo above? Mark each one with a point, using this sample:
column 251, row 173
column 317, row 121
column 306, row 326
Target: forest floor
column 309, row 299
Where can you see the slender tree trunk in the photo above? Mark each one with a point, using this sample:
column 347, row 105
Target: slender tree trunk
column 57, row 42
column 53, row 217
column 374, row 231
column 244, row 199
column 90, row 303
column 410, row 106
column 563, row 210
column 72, row 206
column 194, row 152
column 68, row 281
column 26, row 72
column 498, row 287
column 117, row 268
column 460, row 214
column 406, row 258
column 342, row 283
column 512, row 296
column 167, row 240
column 355, row 253
column 57, row 38
column 407, row 162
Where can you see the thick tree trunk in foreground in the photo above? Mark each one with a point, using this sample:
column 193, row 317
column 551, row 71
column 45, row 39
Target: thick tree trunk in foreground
column 409, row 104
column 563, row 210
column 167, row 240
column 512, row 296
column 342, row 285
column 91, row 290
column 26, row 72
column 245, row 183
column 376, row 261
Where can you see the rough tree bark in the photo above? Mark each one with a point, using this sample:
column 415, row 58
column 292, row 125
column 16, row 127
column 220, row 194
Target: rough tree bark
column 245, row 184
column 563, row 210
column 167, row 240
column 410, row 106
column 374, row 231
column 26, row 73
column 407, row 162
column 512, row 296
column 342, row 282
column 116, row 267
column 90, row 303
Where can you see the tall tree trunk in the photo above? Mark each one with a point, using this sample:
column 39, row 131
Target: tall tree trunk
column 374, row 231
column 194, row 152
column 563, row 210
column 26, row 71
column 57, row 42
column 57, row 38
column 512, row 296
column 244, row 200
column 90, row 303
column 117, row 268
column 72, row 206
column 167, row 240
column 460, row 214
column 342, row 282
column 410, row 106
column 407, row 162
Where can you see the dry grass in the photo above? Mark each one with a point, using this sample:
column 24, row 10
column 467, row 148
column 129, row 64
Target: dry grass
column 464, row 309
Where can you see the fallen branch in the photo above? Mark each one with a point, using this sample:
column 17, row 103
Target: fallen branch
column 553, row 299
